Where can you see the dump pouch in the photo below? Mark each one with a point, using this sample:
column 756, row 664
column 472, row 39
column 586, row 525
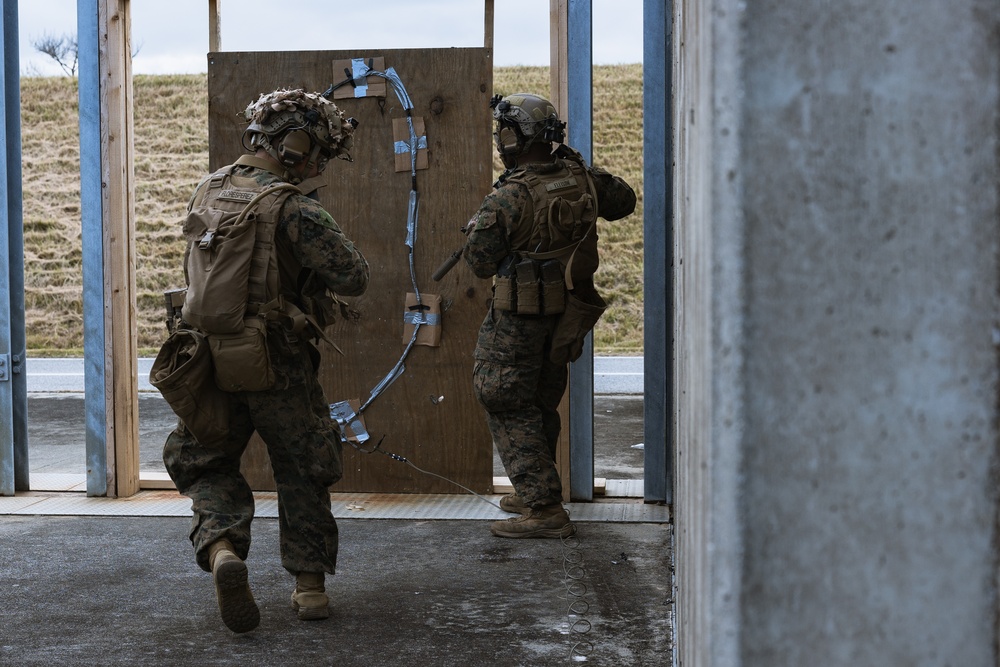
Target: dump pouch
column 241, row 359
column 183, row 373
column 583, row 309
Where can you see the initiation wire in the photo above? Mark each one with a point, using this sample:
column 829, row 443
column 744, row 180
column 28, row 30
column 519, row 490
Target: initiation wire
column 576, row 588
column 402, row 459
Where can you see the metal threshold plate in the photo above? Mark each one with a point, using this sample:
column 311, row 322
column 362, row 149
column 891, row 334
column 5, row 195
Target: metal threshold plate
column 345, row 506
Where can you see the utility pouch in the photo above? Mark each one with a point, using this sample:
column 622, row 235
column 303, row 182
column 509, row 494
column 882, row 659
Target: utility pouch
column 241, row 359
column 528, row 292
column 183, row 373
column 582, row 312
column 504, row 286
column 553, row 288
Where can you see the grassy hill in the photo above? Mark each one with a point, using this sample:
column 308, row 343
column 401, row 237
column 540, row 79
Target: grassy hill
column 171, row 155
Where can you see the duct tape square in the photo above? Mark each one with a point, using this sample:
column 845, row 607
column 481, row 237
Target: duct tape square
column 427, row 315
column 359, row 84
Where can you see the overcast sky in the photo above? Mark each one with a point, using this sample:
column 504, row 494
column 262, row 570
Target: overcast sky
column 171, row 36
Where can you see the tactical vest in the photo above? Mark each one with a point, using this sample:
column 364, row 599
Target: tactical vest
column 229, row 264
column 558, row 248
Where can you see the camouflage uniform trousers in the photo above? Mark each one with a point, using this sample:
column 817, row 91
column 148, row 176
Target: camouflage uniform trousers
column 520, row 389
column 305, row 450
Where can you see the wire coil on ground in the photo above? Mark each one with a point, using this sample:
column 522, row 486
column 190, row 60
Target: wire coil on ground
column 576, row 591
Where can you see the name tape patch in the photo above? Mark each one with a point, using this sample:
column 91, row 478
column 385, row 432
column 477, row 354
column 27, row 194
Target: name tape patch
column 237, row 195
column 561, row 185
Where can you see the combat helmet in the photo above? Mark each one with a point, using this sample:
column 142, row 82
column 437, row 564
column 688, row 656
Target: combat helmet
column 523, row 119
column 293, row 125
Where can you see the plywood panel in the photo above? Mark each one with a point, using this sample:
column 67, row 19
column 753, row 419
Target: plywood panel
column 450, row 90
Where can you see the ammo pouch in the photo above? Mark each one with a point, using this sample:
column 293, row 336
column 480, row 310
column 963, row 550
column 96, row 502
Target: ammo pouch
column 241, row 359
column 182, row 371
column 583, row 309
column 527, row 286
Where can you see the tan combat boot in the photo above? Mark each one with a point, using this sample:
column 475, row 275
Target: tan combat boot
column 309, row 597
column 512, row 503
column 549, row 521
column 236, row 605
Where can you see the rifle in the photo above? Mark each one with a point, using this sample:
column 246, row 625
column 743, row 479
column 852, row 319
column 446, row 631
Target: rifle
column 448, row 264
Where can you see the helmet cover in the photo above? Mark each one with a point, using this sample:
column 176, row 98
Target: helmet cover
column 284, row 110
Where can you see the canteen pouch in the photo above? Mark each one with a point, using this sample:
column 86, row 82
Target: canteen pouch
column 583, row 309
column 241, row 359
column 183, row 373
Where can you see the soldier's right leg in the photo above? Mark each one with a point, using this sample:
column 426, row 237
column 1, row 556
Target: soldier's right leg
column 304, row 447
column 223, row 508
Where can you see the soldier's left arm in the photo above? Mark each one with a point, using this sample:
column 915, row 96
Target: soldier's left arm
column 615, row 197
column 319, row 243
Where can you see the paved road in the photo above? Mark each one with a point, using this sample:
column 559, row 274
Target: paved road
column 56, row 417
column 612, row 375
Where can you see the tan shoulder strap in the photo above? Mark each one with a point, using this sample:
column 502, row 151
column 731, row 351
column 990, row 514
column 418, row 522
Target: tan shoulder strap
column 261, row 260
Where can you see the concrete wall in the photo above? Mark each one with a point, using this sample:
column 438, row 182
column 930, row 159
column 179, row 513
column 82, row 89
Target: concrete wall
column 836, row 207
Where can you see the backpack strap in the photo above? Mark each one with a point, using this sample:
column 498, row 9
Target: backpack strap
column 264, row 244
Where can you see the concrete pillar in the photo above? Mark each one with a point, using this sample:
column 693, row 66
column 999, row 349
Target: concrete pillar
column 836, row 199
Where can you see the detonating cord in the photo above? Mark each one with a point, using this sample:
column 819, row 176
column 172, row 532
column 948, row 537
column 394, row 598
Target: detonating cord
column 412, row 211
column 396, row 82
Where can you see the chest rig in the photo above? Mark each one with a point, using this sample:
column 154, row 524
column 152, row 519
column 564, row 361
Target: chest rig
column 558, row 246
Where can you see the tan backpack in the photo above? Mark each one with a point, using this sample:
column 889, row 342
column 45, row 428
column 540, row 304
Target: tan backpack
column 231, row 268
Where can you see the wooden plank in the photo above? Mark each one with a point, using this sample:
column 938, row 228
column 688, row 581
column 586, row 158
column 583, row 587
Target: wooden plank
column 558, row 95
column 156, row 480
column 559, row 55
column 119, row 228
column 488, row 28
column 214, row 25
column 503, row 485
column 450, row 89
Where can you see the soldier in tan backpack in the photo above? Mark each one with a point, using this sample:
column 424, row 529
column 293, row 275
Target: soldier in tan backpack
column 536, row 235
column 264, row 265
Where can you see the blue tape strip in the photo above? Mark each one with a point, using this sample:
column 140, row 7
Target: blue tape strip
column 416, row 317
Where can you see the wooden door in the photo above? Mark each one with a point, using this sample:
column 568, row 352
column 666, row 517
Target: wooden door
column 428, row 415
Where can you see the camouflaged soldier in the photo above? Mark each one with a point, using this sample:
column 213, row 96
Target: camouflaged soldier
column 536, row 235
column 291, row 137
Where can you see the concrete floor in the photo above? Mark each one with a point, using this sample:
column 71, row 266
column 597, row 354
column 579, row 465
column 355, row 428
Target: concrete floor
column 124, row 591
column 89, row 586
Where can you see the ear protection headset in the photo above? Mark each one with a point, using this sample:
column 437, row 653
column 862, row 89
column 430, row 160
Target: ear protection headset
column 293, row 147
column 508, row 141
